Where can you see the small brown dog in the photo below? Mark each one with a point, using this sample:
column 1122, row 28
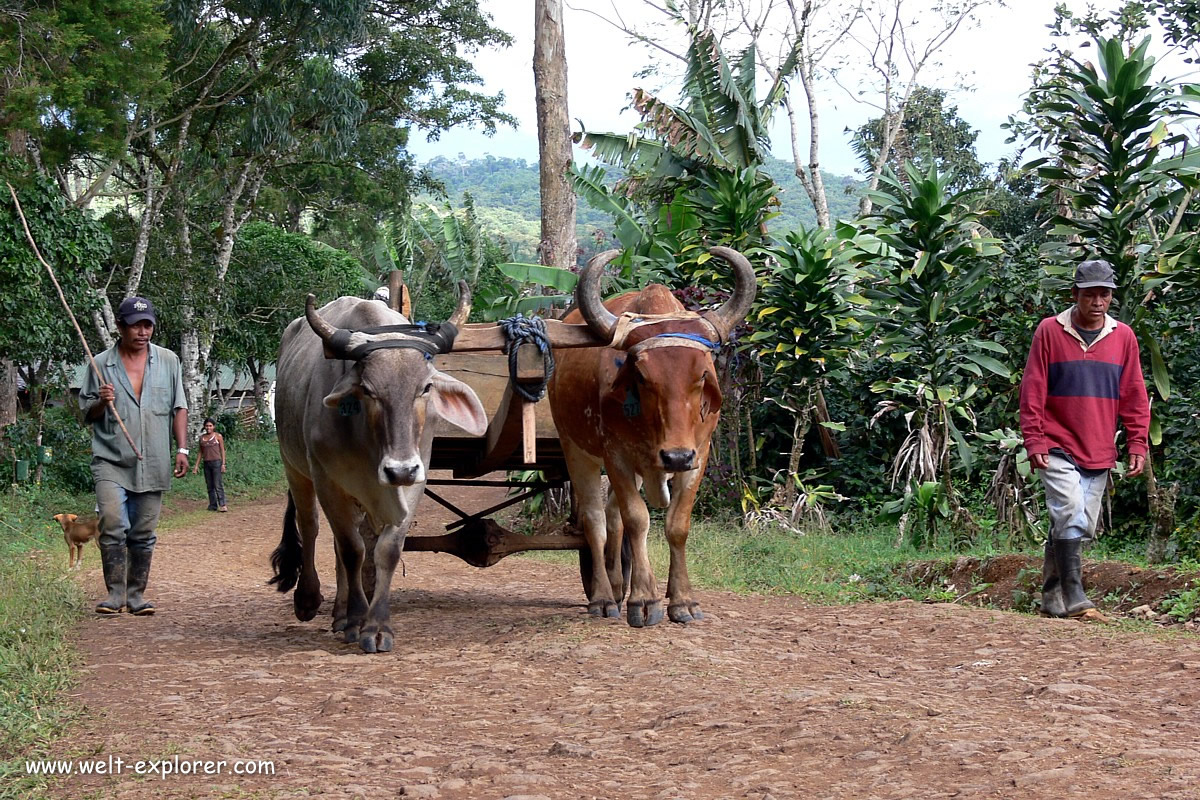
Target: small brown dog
column 77, row 533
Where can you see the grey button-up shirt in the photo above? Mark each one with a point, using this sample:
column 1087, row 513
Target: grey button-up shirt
column 148, row 419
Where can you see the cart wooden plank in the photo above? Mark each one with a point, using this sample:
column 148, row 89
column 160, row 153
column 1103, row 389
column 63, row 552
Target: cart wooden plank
column 501, row 449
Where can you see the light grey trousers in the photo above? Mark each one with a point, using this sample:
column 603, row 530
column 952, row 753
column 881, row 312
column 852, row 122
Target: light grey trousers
column 127, row 519
column 1073, row 499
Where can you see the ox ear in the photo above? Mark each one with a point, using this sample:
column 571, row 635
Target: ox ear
column 345, row 387
column 624, row 398
column 710, row 398
column 456, row 403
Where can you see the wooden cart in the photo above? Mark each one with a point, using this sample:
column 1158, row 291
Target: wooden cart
column 520, row 438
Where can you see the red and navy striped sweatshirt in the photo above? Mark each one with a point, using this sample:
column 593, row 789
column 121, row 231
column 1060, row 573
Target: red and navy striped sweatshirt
column 1073, row 395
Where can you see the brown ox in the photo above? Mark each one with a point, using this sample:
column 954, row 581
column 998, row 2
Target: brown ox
column 643, row 410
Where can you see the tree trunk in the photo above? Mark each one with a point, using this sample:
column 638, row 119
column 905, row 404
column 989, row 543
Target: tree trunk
column 8, row 393
column 1161, row 501
column 828, row 443
column 810, row 173
column 557, row 247
column 194, row 385
column 785, row 493
column 258, row 377
column 199, row 327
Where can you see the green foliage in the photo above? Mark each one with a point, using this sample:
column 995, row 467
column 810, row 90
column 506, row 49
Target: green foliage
column 437, row 246
column 698, row 174
column 40, row 605
column 931, row 133
column 1014, row 492
column 271, row 272
column 1183, row 605
column 69, row 442
column 803, row 314
column 556, row 287
column 807, row 513
column 1107, row 126
column 413, row 66
column 923, row 511
column 929, row 257
column 73, row 67
column 506, row 198
column 33, row 324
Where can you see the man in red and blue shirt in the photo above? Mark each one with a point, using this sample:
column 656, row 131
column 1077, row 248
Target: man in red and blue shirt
column 1084, row 375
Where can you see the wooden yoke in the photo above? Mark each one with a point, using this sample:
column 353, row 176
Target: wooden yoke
column 478, row 336
column 513, row 418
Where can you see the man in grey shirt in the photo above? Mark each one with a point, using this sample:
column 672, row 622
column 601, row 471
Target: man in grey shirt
column 145, row 383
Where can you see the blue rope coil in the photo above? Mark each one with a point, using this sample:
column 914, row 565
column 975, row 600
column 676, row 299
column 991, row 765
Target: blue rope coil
column 521, row 330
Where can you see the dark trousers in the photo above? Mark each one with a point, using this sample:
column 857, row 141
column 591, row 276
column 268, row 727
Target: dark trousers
column 216, row 484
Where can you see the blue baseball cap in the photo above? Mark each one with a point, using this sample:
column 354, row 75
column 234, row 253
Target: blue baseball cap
column 136, row 309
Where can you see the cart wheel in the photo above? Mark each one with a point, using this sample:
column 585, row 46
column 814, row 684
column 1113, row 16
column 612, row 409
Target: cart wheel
column 585, row 570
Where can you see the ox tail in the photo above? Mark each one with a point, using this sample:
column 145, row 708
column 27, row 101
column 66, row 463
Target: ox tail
column 285, row 561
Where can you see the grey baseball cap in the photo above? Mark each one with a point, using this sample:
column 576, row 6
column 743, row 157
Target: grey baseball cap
column 1095, row 273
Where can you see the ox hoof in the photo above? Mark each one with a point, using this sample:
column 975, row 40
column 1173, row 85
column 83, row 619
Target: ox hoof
column 339, row 625
column 644, row 614
column 604, row 608
column 380, row 642
column 350, row 634
column 306, row 606
column 685, row 612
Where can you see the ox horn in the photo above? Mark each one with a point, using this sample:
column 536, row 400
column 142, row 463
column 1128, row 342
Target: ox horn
column 745, row 286
column 464, row 305
column 587, row 295
column 323, row 329
column 315, row 321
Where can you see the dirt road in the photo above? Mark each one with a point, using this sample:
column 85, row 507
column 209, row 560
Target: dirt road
column 501, row 686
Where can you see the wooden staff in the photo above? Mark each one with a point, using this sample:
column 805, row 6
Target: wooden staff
column 111, row 405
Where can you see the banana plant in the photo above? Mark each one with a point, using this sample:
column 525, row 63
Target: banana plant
column 525, row 292
column 695, row 166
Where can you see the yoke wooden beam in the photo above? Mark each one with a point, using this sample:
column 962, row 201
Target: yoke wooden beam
column 478, row 336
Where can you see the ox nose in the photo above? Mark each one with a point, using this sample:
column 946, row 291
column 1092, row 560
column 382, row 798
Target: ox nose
column 402, row 474
column 677, row 460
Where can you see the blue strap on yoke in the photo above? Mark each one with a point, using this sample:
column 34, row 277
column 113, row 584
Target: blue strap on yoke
column 695, row 337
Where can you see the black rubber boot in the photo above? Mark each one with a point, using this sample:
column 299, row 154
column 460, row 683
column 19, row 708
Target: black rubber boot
column 139, row 573
column 1052, row 594
column 1070, row 573
column 112, row 559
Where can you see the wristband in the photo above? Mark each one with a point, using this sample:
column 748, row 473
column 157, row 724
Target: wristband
column 183, row 451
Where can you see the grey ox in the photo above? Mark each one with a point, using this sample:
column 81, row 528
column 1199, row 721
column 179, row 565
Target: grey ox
column 357, row 405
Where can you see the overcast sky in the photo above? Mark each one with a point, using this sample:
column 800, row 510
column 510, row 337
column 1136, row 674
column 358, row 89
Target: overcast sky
column 991, row 59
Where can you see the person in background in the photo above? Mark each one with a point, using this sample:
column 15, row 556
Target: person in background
column 145, row 384
column 212, row 453
column 1083, row 377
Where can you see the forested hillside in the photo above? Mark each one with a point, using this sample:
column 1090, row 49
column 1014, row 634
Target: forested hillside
column 506, row 199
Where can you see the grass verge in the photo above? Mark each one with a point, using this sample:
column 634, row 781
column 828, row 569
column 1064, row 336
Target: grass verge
column 827, row 568
column 40, row 604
